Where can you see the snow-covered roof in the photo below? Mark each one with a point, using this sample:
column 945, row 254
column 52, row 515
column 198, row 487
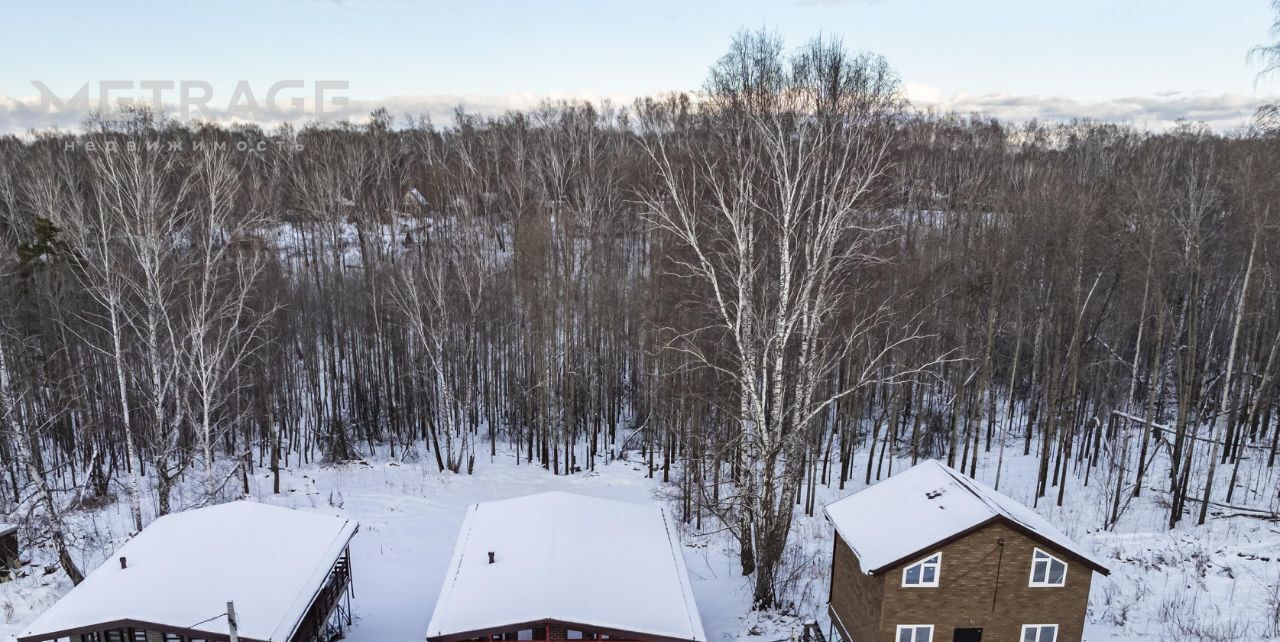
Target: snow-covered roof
column 911, row 512
column 185, row 567
column 5, row 529
column 568, row 558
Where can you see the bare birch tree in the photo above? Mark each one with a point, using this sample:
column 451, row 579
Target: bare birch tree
column 771, row 197
column 221, row 330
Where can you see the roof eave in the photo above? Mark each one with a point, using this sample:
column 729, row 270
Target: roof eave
column 355, row 528
column 126, row 623
column 459, row 636
column 977, row 527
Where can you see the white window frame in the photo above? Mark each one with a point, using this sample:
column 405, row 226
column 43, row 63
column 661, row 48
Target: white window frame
column 1031, row 581
column 1039, row 629
column 937, row 571
column 898, row 634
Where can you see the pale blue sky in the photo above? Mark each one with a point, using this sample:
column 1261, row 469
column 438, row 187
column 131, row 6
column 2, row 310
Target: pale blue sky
column 1083, row 52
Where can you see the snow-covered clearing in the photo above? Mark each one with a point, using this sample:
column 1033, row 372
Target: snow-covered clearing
column 1214, row 582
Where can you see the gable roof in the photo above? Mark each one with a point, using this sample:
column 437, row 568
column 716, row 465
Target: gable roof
column 928, row 505
column 567, row 558
column 185, row 567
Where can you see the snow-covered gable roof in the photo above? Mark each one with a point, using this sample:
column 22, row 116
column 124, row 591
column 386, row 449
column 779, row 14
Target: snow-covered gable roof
column 185, row 567
column 910, row 513
column 6, row 529
column 568, row 558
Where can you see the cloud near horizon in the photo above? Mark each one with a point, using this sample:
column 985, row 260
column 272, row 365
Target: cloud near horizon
column 1159, row 112
column 20, row 116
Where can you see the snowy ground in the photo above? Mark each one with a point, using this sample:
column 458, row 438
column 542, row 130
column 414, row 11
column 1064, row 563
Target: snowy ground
column 1218, row 582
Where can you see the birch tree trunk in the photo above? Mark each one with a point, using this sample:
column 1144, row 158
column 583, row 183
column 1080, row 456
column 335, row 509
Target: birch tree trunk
column 1224, row 405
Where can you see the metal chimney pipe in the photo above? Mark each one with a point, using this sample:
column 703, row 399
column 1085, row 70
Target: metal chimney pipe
column 124, row 563
column 490, row 557
column 232, row 624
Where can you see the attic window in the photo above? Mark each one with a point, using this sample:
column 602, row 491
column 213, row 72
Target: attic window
column 1040, row 633
column 915, row 633
column 1047, row 570
column 923, row 573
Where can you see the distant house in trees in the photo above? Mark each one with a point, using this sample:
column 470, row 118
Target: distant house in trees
column 287, row 572
column 930, row 555
column 559, row 566
column 414, row 200
column 8, row 546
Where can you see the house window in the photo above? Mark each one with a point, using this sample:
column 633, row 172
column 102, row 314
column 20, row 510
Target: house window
column 1047, row 570
column 1039, row 633
column 923, row 573
column 915, row 633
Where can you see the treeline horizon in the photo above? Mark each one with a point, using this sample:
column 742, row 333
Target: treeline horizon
column 789, row 282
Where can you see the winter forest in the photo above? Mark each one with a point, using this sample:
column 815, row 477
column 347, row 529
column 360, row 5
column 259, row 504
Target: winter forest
column 759, row 295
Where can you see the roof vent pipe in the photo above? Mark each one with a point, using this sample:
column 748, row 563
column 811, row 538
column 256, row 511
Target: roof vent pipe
column 490, row 557
column 124, row 563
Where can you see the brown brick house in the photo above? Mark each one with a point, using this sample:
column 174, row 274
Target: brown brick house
column 930, row 555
